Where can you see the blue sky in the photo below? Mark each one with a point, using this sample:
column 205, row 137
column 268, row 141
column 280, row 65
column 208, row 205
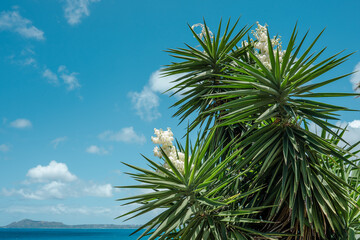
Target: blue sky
column 80, row 91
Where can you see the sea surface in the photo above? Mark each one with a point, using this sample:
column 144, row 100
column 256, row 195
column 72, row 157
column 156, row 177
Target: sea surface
column 67, row 234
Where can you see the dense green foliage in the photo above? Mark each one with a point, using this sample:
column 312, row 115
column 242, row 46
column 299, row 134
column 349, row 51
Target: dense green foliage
column 256, row 171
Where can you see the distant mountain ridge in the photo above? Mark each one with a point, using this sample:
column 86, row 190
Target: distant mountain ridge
column 27, row 223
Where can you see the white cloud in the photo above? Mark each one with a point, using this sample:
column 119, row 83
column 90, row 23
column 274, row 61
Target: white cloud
column 27, row 51
column 355, row 78
column 127, row 135
column 50, row 76
column 51, row 190
column 56, row 182
column 355, row 124
column 58, row 209
column 160, row 84
column 61, row 190
column 29, row 61
column 4, row 148
column 53, row 172
column 13, row 21
column 21, row 192
column 146, row 104
column 75, row 10
column 23, row 60
column 93, row 149
column 69, row 79
column 99, row 190
column 57, row 141
column 21, row 123
column 352, row 135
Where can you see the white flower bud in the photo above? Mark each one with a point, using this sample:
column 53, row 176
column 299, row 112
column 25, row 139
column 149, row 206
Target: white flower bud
column 165, row 139
column 157, row 152
column 261, row 45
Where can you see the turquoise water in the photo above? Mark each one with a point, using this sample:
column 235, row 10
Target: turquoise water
column 67, row 234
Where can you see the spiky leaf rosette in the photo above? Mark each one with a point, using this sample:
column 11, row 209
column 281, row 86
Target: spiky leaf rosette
column 199, row 69
column 195, row 202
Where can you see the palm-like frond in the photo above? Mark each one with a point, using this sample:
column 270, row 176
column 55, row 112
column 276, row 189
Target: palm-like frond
column 283, row 92
column 199, row 70
column 350, row 175
column 194, row 201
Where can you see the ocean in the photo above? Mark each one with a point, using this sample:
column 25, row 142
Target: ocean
column 67, row 234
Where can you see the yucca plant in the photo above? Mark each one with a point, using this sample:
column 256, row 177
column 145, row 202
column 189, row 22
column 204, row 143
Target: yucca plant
column 196, row 201
column 350, row 175
column 253, row 102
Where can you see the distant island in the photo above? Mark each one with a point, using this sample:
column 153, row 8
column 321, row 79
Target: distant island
column 27, row 223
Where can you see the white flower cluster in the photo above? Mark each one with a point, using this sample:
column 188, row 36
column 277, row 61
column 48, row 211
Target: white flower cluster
column 261, row 45
column 203, row 30
column 164, row 139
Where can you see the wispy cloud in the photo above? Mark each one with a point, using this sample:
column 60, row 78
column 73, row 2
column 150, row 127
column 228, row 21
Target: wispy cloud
column 355, row 78
column 21, row 123
column 127, row 135
column 14, row 22
column 69, row 79
column 57, row 141
column 61, row 190
column 4, row 148
column 50, row 76
column 58, row 209
column 93, row 149
column 51, row 190
column 96, row 190
column 25, row 58
column 29, row 61
column 75, row 10
column 146, row 104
